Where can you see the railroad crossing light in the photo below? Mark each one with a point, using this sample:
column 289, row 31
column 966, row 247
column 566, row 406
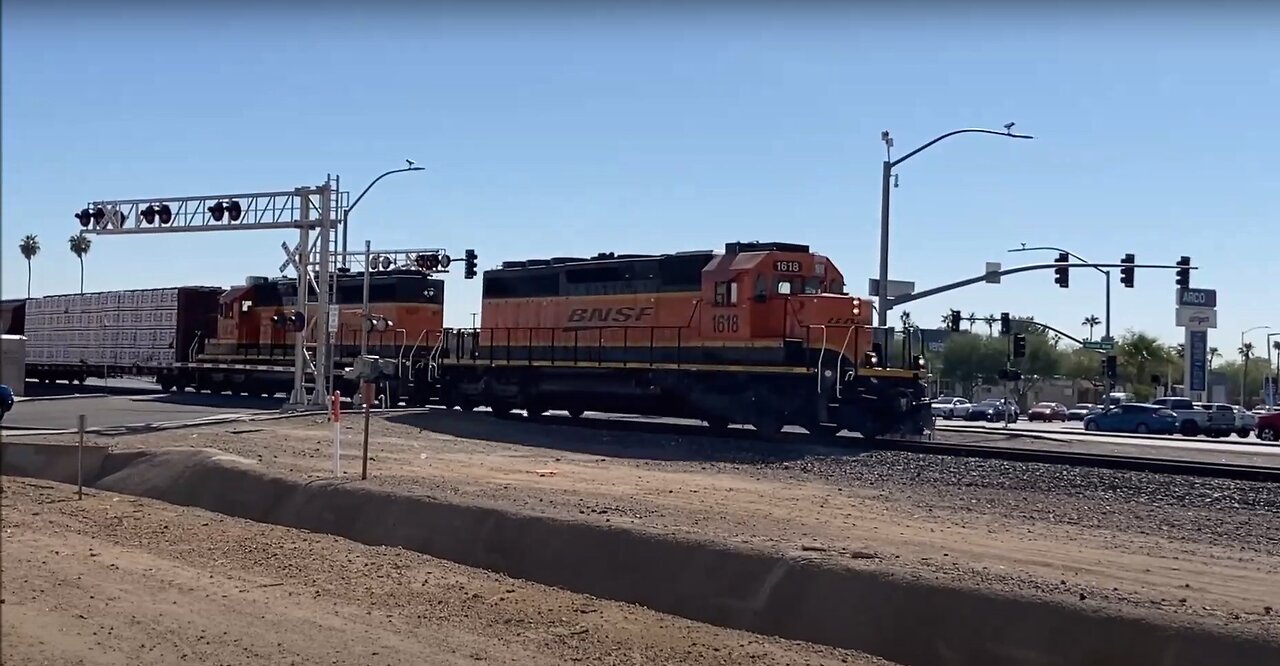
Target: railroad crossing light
column 297, row 321
column 1126, row 272
column 385, row 263
column 85, row 216
column 1184, row 274
column 1019, row 346
column 445, row 260
column 470, row 259
column 856, row 309
column 99, row 214
column 953, row 321
column 231, row 209
column 1006, row 325
column 920, row 362
column 427, row 262
column 377, row 323
column 157, row 212
column 1062, row 274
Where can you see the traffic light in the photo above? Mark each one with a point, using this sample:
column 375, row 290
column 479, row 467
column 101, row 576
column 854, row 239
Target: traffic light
column 1110, row 367
column 954, row 321
column 1006, row 325
column 1019, row 346
column 1102, row 367
column 1062, row 274
column 470, row 259
column 230, row 209
column 1184, row 274
column 1126, row 272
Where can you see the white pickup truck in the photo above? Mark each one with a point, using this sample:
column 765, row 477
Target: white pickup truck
column 1194, row 420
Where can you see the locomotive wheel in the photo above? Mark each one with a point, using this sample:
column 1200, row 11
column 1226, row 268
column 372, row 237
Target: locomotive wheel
column 717, row 425
column 824, row 429
column 500, row 411
column 767, row 426
column 534, row 412
column 576, row 412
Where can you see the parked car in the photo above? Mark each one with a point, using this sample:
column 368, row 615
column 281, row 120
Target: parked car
column 1268, row 427
column 6, row 400
column 1222, row 419
column 1080, row 411
column 1245, row 421
column 950, row 408
column 1048, row 411
column 1135, row 417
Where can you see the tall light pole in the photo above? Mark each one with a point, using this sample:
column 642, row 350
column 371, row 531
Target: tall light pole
column 885, row 184
column 347, row 214
column 1244, row 366
column 1107, row 323
column 1276, row 377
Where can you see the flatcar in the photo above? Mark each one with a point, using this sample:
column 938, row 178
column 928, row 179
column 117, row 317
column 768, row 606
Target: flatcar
column 762, row 334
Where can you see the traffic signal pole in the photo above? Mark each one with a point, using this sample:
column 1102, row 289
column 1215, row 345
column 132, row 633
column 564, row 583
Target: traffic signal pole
column 896, row 301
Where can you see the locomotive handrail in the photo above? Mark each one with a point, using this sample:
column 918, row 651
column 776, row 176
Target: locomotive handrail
column 414, row 351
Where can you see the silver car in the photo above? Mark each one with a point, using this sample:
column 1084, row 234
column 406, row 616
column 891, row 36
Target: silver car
column 950, row 408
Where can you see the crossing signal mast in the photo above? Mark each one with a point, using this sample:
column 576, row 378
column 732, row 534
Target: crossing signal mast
column 310, row 208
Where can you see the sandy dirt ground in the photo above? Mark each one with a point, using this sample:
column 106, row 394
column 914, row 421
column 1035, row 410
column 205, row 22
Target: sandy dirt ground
column 1205, row 554
column 121, row 580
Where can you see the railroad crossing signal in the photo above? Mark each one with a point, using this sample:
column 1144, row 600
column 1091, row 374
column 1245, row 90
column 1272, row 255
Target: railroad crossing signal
column 1062, row 274
column 1019, row 346
column 1006, row 324
column 953, row 321
column 293, row 321
column 1126, row 272
column 1184, row 274
column 470, row 260
column 377, row 323
column 231, row 209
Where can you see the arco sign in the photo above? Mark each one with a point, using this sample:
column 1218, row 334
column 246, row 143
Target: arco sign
column 1197, row 298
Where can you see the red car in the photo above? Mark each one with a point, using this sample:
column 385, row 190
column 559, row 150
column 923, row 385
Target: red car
column 1048, row 411
column 1268, row 427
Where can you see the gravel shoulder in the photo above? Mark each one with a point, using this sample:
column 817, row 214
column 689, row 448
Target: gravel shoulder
column 1200, row 549
column 121, row 580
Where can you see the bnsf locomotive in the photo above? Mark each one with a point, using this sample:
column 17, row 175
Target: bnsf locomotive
column 762, row 334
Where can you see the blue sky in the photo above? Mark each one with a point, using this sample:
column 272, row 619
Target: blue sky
column 572, row 132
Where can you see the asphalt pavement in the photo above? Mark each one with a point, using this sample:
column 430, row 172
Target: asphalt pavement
column 121, row 410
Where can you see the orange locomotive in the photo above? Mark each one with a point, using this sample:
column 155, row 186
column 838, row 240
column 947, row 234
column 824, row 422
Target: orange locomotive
column 762, row 334
column 253, row 349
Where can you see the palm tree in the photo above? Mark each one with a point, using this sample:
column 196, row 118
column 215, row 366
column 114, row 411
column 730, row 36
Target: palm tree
column 990, row 321
column 946, row 321
column 1091, row 321
column 1214, row 352
column 1246, row 352
column 973, row 319
column 906, row 320
column 30, row 247
column 80, row 245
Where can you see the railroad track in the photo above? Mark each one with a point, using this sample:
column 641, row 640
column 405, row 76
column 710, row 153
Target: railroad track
column 1151, row 464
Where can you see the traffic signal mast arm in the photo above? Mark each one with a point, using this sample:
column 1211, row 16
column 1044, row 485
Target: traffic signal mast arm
column 908, row 298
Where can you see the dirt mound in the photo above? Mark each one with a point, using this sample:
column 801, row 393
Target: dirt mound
column 803, row 596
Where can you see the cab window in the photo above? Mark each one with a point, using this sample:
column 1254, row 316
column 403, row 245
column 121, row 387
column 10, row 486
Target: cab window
column 784, row 286
column 726, row 293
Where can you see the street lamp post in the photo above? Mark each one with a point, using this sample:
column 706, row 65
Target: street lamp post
column 1244, row 366
column 1276, row 377
column 347, row 213
column 886, row 178
column 1107, row 273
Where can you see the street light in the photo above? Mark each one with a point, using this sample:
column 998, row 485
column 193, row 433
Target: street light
column 1276, row 379
column 1244, row 367
column 1107, row 323
column 346, row 215
column 885, row 183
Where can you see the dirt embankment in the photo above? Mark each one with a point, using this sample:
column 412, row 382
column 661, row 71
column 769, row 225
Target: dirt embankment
column 121, row 580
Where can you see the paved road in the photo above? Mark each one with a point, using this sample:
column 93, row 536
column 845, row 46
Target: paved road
column 60, row 414
column 1073, row 431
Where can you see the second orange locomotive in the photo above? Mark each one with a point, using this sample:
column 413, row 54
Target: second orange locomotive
column 761, row 334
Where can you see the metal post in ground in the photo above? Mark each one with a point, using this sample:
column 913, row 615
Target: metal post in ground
column 81, row 421
column 366, row 397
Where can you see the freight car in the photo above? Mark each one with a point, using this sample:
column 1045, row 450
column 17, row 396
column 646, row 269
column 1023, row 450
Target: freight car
column 238, row 340
column 761, row 334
